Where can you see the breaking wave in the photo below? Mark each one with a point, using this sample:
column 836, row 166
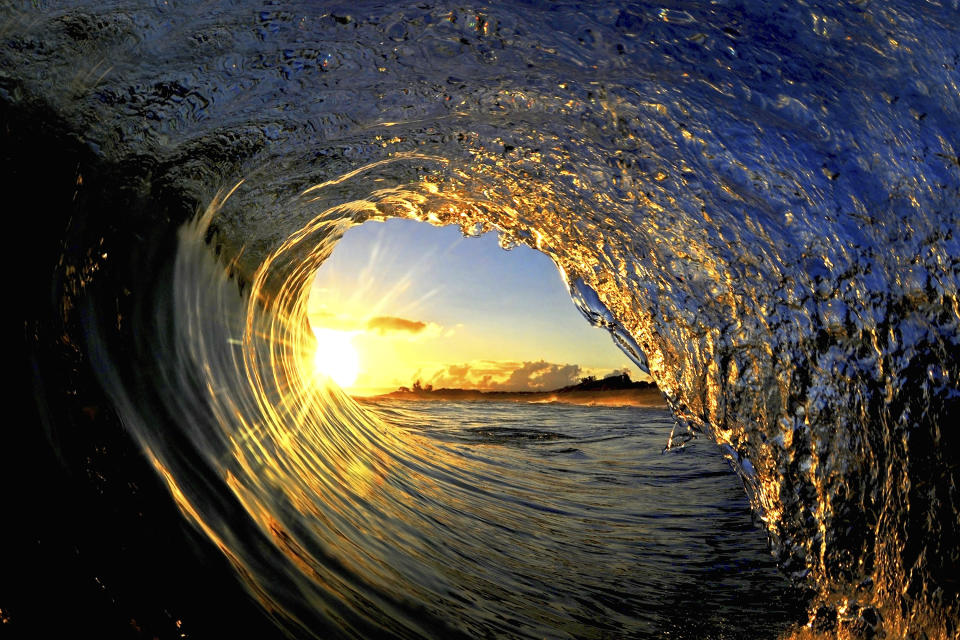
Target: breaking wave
column 758, row 201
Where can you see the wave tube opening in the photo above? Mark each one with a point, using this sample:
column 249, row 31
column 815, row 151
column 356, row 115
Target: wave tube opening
column 365, row 523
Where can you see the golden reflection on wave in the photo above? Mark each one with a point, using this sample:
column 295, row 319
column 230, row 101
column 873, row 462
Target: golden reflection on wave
column 360, row 509
column 300, row 446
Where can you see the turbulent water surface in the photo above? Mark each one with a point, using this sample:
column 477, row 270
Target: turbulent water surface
column 758, row 199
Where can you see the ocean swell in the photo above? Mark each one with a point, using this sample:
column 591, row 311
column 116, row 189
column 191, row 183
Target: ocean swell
column 760, row 202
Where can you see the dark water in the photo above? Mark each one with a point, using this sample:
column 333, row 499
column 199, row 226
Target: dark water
column 757, row 199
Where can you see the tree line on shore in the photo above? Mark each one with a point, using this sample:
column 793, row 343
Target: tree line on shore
column 614, row 382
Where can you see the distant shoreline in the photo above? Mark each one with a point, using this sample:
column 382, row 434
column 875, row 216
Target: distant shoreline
column 610, row 392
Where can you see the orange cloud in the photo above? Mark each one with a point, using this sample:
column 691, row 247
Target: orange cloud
column 391, row 324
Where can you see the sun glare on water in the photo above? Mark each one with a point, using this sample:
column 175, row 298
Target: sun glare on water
column 336, row 356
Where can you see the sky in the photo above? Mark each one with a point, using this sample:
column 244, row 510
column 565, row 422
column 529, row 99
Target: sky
column 422, row 302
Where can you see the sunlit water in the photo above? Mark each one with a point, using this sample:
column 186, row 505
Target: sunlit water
column 757, row 200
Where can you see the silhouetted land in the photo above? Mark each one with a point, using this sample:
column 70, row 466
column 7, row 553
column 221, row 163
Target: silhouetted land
column 617, row 390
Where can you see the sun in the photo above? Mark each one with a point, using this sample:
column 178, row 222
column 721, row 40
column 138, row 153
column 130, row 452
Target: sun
column 336, row 356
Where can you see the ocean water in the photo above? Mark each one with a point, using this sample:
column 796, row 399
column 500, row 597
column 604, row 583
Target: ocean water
column 588, row 530
column 758, row 200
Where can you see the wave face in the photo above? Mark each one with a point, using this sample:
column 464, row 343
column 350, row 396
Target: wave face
column 758, row 200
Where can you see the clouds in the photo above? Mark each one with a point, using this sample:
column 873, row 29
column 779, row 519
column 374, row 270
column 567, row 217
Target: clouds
column 490, row 375
column 378, row 325
column 390, row 324
column 541, row 376
column 505, row 375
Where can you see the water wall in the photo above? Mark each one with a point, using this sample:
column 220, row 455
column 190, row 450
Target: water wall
column 758, row 200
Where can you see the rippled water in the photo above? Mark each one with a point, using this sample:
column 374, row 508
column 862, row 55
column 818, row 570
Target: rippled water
column 758, row 200
column 591, row 532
